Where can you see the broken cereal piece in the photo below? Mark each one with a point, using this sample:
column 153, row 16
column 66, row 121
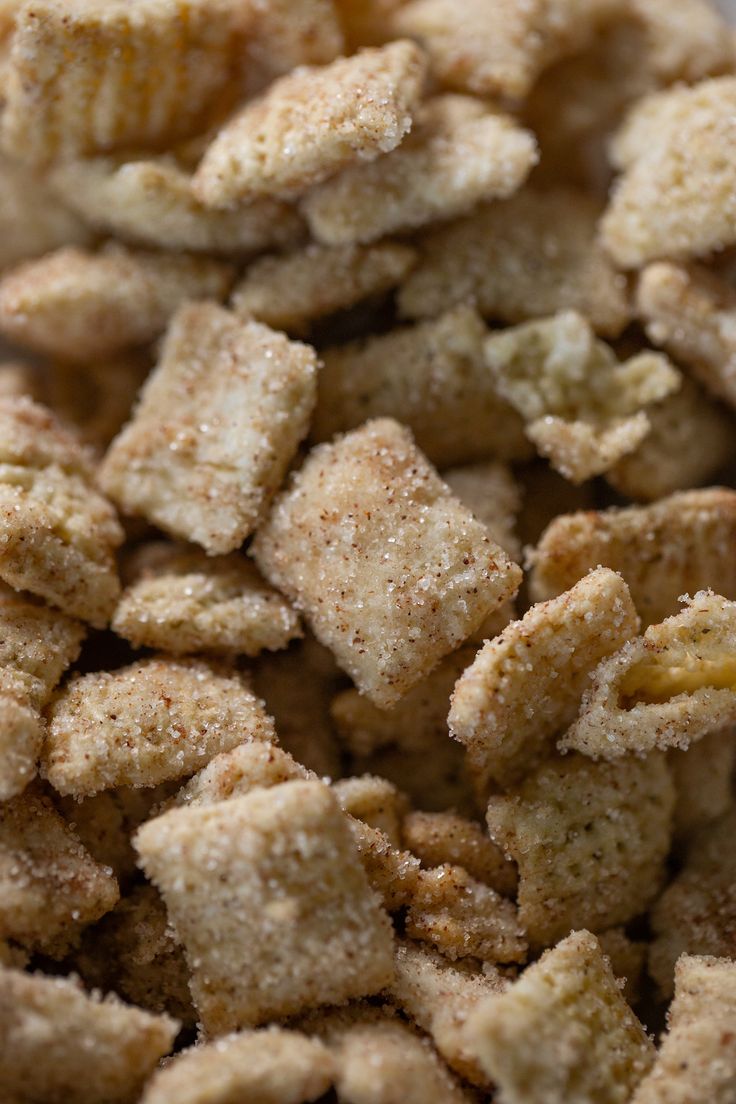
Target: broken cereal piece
column 447, row 838
column 491, row 492
column 375, row 801
column 703, row 775
column 236, row 773
column 215, row 429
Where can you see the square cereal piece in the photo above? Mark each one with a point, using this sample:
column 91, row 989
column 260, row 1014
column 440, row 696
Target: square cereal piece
column 421, row 182
column 562, row 1033
column 524, row 688
column 431, row 377
column 703, row 775
column 291, row 291
column 58, row 534
column 679, row 545
column 668, row 688
column 590, row 840
column 525, row 257
column 156, row 720
column 270, row 900
column 57, row 1043
column 33, row 221
column 169, row 62
column 312, row 123
column 490, row 490
column 368, row 517
column 235, row 773
column 50, row 886
column 375, row 801
column 448, row 838
column 180, row 600
column 215, row 428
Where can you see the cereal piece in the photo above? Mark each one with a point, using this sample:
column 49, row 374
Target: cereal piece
column 524, row 687
column 8, row 11
column 583, row 410
column 57, row 1043
column 94, row 399
column 32, row 220
column 167, row 62
column 375, row 801
column 494, row 496
column 181, row 600
column 392, row 874
column 686, row 42
column 589, row 839
column 156, row 720
column 373, row 490
column 312, row 123
column 58, row 535
column 50, row 886
column 703, row 779
column 562, row 1034
column 679, row 545
column 627, row 960
column 433, row 378
column 272, row 1066
column 215, row 429
column 674, row 197
column 284, row 34
column 668, row 688
column 526, row 257
column 150, row 202
column 236, row 773
column 458, row 154
column 258, row 888
column 446, row 838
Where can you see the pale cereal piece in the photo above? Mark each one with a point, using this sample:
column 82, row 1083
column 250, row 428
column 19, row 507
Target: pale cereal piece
column 392, row 874
column 686, row 42
column 590, row 840
column 21, row 735
column 675, row 197
column 236, row 773
column 32, row 220
column 167, row 62
column 703, row 777
column 459, row 154
column 627, row 959
column 524, row 688
column 272, row 1066
column 215, row 428
column 522, row 258
column 50, row 886
column 447, row 838
column 283, row 34
column 291, row 291
column 433, row 378
column 375, row 801
column 668, row 688
column 312, row 123
column 150, row 201
column 57, row 1043
column 58, row 535
column 679, row 545
column 259, row 889
column 180, row 600
column 368, row 517
column 562, row 1034
column 492, row 493
column 154, row 721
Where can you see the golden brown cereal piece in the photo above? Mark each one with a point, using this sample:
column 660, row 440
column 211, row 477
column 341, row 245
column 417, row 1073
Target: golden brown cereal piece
column 235, row 773
column 524, row 687
column 57, row 1043
column 215, row 429
column 312, row 123
column 290, row 291
column 167, row 61
column 525, row 257
column 32, row 220
column 562, row 1034
column 583, row 410
column 703, row 777
column 589, row 839
column 58, row 534
column 433, row 378
column 272, row 1066
column 627, row 959
column 673, row 199
column 679, row 545
column 368, row 517
column 77, row 305
column 697, row 1058
column 157, row 720
column 668, row 688
column 180, row 600
column 50, row 886
column 494, row 496
column 447, row 838
column 150, row 201
column 259, row 888
column 459, row 153
column 375, row 801
column 392, row 874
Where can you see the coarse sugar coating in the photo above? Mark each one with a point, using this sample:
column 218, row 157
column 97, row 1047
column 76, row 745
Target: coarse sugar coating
column 562, row 1033
column 258, row 888
column 368, row 517
column 158, row 719
column 447, row 837
column 590, row 840
column 703, row 775
column 375, row 801
column 392, row 874
column 215, row 428
column 311, row 123
column 235, row 773
column 491, row 492
column 32, row 220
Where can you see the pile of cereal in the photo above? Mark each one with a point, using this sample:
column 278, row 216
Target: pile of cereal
column 367, row 552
